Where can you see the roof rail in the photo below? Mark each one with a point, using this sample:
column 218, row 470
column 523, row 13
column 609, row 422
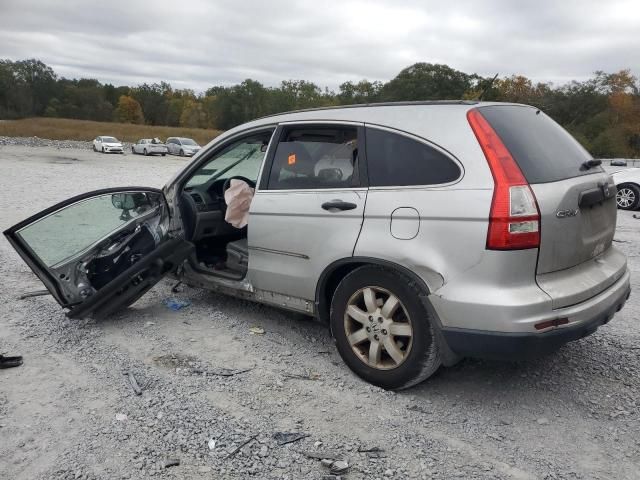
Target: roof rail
column 380, row 104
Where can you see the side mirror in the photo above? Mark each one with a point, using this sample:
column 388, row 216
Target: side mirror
column 128, row 201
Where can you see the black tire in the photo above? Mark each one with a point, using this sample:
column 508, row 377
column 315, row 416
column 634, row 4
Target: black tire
column 631, row 193
column 181, row 153
column 163, row 154
column 423, row 357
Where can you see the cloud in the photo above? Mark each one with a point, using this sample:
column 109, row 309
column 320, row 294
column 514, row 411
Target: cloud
column 199, row 43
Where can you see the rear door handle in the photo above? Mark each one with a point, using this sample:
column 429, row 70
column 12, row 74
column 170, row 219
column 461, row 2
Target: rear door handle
column 338, row 205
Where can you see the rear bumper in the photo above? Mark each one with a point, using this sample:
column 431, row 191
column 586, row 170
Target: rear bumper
column 584, row 319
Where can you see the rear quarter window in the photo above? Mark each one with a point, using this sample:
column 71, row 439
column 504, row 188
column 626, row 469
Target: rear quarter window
column 397, row 160
column 544, row 151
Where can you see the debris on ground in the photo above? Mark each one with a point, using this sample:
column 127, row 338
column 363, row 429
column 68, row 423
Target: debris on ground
column 134, row 383
column 303, row 376
column 212, row 443
column 372, row 452
column 35, row 293
column 171, row 462
column 321, row 455
column 339, row 467
column 221, row 372
column 256, row 330
column 288, row 437
column 239, row 447
column 418, row 408
column 176, row 304
column 121, row 417
column 10, row 362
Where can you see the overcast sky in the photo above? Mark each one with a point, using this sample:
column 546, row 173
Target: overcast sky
column 199, row 43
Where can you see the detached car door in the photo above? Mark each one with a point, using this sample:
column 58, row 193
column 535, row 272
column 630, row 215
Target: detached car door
column 100, row 251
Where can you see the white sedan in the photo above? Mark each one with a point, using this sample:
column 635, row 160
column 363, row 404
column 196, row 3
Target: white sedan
column 149, row 146
column 107, row 145
column 628, row 183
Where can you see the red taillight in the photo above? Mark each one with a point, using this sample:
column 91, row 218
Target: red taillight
column 514, row 221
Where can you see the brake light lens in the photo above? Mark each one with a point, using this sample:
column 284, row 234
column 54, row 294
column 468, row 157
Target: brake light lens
column 514, row 220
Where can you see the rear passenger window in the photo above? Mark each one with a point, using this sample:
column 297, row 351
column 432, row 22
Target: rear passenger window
column 397, row 160
column 315, row 158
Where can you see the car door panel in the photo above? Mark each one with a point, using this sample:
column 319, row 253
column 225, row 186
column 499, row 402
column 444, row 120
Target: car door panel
column 102, row 250
column 292, row 238
column 299, row 220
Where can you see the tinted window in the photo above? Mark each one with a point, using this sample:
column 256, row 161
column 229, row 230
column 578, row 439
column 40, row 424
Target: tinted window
column 315, row 157
column 396, row 160
column 544, row 151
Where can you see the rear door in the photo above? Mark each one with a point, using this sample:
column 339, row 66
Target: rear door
column 100, row 251
column 308, row 209
column 576, row 201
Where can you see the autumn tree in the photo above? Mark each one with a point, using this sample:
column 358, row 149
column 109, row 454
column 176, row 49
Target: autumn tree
column 129, row 110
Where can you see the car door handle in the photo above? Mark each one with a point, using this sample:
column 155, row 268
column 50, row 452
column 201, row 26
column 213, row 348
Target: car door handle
column 338, row 205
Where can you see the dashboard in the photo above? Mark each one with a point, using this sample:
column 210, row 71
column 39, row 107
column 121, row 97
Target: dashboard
column 208, row 197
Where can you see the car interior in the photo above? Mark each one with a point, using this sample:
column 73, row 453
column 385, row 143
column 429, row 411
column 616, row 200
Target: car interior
column 306, row 157
column 221, row 249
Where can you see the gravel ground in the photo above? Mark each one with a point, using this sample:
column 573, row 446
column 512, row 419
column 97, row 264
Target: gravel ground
column 70, row 412
column 57, row 144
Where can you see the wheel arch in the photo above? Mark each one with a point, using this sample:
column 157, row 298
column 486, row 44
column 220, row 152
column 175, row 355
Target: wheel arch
column 336, row 271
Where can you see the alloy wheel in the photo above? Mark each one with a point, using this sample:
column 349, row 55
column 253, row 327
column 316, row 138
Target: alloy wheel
column 378, row 328
column 625, row 197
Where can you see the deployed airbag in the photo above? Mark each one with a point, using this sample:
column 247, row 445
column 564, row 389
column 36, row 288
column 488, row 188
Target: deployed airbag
column 238, row 199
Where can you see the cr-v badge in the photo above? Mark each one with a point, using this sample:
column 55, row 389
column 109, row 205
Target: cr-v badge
column 566, row 213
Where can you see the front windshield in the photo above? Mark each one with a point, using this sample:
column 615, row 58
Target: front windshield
column 188, row 141
column 109, row 139
column 243, row 158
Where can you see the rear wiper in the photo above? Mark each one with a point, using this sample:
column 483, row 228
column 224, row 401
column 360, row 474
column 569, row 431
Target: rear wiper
column 591, row 163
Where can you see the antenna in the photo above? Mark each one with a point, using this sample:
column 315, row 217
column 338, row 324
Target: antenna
column 486, row 89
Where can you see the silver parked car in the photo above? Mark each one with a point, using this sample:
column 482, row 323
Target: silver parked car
column 421, row 232
column 185, row 147
column 149, row 146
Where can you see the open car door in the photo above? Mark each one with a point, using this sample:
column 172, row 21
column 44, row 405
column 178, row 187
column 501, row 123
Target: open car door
column 101, row 251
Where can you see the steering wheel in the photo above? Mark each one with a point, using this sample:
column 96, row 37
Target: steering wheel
column 227, row 183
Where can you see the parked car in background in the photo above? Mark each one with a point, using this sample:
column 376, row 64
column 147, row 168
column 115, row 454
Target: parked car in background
column 185, row 147
column 628, row 183
column 149, row 146
column 618, row 163
column 421, row 232
column 107, row 145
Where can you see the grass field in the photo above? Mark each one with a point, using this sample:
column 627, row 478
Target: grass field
column 66, row 129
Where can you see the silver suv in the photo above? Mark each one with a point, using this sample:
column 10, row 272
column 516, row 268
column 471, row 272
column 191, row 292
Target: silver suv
column 421, row 232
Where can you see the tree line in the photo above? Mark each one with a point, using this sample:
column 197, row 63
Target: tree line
column 602, row 112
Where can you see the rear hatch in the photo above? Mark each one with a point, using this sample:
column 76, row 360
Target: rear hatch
column 576, row 202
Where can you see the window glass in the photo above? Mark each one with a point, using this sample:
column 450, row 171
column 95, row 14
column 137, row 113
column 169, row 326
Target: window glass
column 74, row 228
column 397, row 160
column 316, row 157
column 544, row 151
column 242, row 158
